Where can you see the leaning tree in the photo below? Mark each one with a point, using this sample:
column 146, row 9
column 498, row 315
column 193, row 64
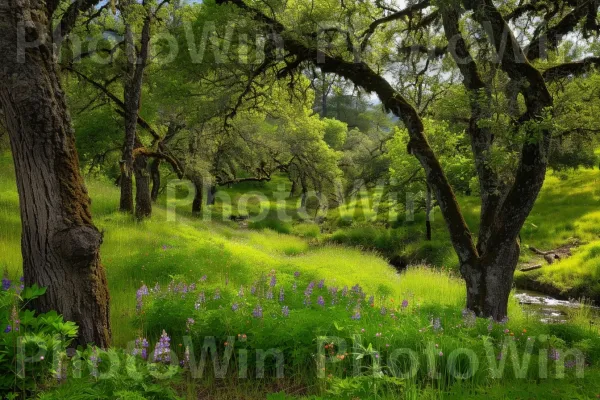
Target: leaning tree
column 60, row 244
column 356, row 47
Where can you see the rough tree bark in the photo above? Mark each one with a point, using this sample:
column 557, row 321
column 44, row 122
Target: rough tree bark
column 60, row 244
column 197, row 203
column 428, row 209
column 155, row 176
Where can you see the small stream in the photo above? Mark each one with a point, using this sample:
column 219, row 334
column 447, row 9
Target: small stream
column 546, row 308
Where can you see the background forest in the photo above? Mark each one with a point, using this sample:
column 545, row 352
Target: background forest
column 326, row 199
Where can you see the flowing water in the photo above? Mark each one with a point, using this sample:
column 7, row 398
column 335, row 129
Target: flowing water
column 548, row 309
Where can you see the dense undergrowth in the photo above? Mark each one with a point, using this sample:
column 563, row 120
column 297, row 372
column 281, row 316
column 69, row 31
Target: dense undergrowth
column 299, row 298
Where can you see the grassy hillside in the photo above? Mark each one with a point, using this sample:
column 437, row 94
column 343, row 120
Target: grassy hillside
column 327, row 290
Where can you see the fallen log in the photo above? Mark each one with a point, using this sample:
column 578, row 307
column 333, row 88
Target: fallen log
column 531, row 268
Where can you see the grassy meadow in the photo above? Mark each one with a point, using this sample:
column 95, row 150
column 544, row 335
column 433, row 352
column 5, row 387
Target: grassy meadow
column 324, row 306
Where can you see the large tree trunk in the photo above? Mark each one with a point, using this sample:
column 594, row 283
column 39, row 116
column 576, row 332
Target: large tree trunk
column 59, row 243
column 489, row 282
column 126, row 182
column 143, row 200
column 197, row 203
column 155, row 176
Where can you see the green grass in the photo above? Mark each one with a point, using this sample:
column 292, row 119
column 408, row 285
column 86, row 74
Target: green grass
column 185, row 250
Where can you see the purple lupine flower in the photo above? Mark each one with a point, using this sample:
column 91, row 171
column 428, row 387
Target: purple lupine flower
column 297, row 274
column 273, row 281
column 321, row 284
column 321, row 301
column 253, row 290
column 357, row 289
column 281, row 295
column 372, row 301
column 257, row 312
column 189, row 323
column 554, row 355
column 437, row 325
column 504, row 320
column 270, row 294
column 192, row 287
column 383, row 310
column 333, row 291
column 217, row 295
column 8, row 329
column 241, row 292
column 200, row 301
column 356, row 315
column 94, row 360
column 345, row 291
column 285, row 311
column 307, row 302
column 186, row 357
column 162, row 351
column 156, row 288
column 469, row 318
column 404, row 303
column 570, row 364
column 22, row 285
column 309, row 289
column 141, row 292
column 6, row 282
column 203, row 279
column 140, row 348
column 234, row 307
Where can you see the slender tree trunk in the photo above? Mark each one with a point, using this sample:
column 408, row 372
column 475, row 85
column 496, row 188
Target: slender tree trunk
column 59, row 243
column 155, row 175
column 197, row 203
column 126, row 182
column 143, row 199
column 210, row 199
column 428, row 209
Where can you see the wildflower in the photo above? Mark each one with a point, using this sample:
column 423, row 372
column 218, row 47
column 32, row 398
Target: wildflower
column 6, row 282
column 273, row 281
column 321, row 284
column 356, row 315
column 94, row 360
column 469, row 318
column 321, row 301
column 307, row 302
column 383, row 311
column 186, row 357
column 285, row 311
column 192, row 287
column 257, row 312
column 506, row 331
column 14, row 316
column 141, row 292
column 140, row 348
column 296, row 274
column 309, row 289
column 203, row 279
column 441, row 354
column 345, row 291
column 234, row 307
column 554, row 355
column 372, row 301
column 504, row 320
column 189, row 323
column 253, row 290
column 281, row 295
column 217, row 295
column 378, row 334
column 270, row 294
column 404, row 303
column 437, row 325
column 241, row 292
column 201, row 300
column 162, row 351
column 294, row 286
column 571, row 364
column 8, row 329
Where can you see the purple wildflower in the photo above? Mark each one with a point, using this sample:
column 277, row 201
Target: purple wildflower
column 554, row 355
column 253, row 290
column 273, row 281
column 404, row 303
column 309, row 289
column 189, row 323
column 321, row 301
column 356, row 315
column 192, row 287
column 285, row 311
column 296, row 274
column 234, row 307
column 140, row 348
column 437, row 325
column 8, row 329
column 321, row 284
column 5, row 282
column 270, row 294
column 201, row 300
column 469, row 318
column 162, row 351
column 217, row 295
column 141, row 292
column 94, row 360
column 241, row 292
column 383, row 310
column 345, row 291
column 372, row 301
column 257, row 312
column 281, row 295
column 203, row 279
